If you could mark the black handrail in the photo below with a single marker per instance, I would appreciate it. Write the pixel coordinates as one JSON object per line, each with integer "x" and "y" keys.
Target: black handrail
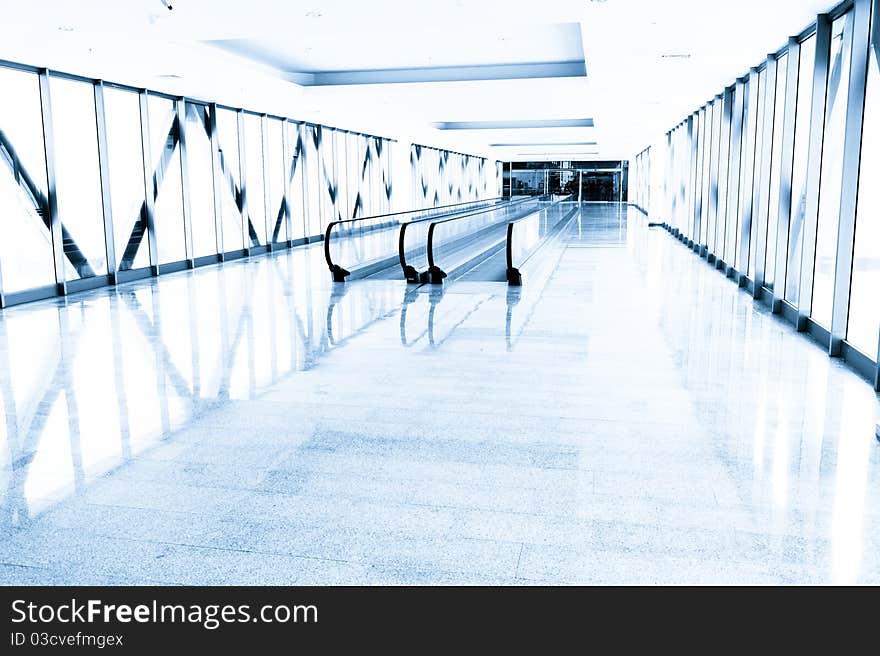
{"x": 409, "y": 272}
{"x": 339, "y": 273}
{"x": 514, "y": 276}
{"x": 435, "y": 273}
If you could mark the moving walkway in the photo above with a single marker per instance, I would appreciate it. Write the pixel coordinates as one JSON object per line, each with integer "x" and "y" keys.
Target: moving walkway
{"x": 445, "y": 243}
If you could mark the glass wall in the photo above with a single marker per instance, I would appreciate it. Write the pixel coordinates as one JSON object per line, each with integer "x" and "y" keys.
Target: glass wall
{"x": 775, "y": 171}
{"x": 78, "y": 178}
{"x": 228, "y": 180}
{"x": 832, "y": 169}
{"x": 758, "y": 173}
{"x": 26, "y": 260}
{"x": 131, "y": 180}
{"x": 254, "y": 186}
{"x": 201, "y": 181}
{"x": 275, "y": 181}
{"x": 127, "y": 193}
{"x": 314, "y": 190}
{"x": 799, "y": 170}
{"x": 752, "y": 146}
{"x": 168, "y": 185}
{"x": 864, "y": 306}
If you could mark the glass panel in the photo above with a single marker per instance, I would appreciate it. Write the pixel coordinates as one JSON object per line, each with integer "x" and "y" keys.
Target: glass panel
{"x": 78, "y": 178}
{"x": 25, "y": 241}
{"x": 275, "y": 180}
{"x": 228, "y": 178}
{"x": 707, "y": 174}
{"x": 864, "y": 307}
{"x": 775, "y": 172}
{"x": 355, "y": 202}
{"x": 201, "y": 180}
{"x": 125, "y": 161}
{"x": 339, "y": 145}
{"x": 832, "y": 169}
{"x": 313, "y": 188}
{"x": 254, "y": 182}
{"x": 168, "y": 210}
{"x": 328, "y": 177}
{"x": 700, "y": 122}
{"x": 759, "y": 171}
{"x": 799, "y": 172}
{"x": 723, "y": 174}
{"x": 736, "y": 153}
{"x": 385, "y": 166}
{"x": 295, "y": 170}
{"x": 715, "y": 184}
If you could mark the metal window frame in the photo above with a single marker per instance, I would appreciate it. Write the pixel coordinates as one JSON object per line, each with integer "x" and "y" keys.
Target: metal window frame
{"x": 785, "y": 173}
{"x": 765, "y": 175}
{"x": 217, "y": 181}
{"x": 865, "y": 35}
{"x": 104, "y": 175}
{"x": 51, "y": 190}
{"x": 734, "y": 171}
{"x": 180, "y": 117}
{"x": 62, "y": 285}
{"x": 269, "y": 223}
{"x": 819, "y": 90}
{"x": 747, "y": 176}
{"x": 724, "y": 175}
{"x": 149, "y": 197}
{"x": 864, "y": 29}
{"x": 247, "y": 246}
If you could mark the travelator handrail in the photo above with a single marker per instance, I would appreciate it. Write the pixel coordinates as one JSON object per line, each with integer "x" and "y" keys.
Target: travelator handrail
{"x": 339, "y": 273}
{"x": 409, "y": 271}
{"x": 514, "y": 276}
{"x": 436, "y": 275}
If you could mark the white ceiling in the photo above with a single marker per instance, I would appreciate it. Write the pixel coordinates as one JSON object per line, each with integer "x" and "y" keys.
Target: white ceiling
{"x": 245, "y": 52}
{"x": 324, "y": 47}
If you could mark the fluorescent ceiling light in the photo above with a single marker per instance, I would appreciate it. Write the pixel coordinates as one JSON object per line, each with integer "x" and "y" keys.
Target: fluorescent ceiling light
{"x": 543, "y": 145}
{"x": 515, "y": 125}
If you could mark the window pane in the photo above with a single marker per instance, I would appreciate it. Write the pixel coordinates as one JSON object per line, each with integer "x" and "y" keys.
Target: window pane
{"x": 357, "y": 151}
{"x": 775, "y": 172}
{"x": 799, "y": 171}
{"x": 294, "y": 176}
{"x": 864, "y": 306}
{"x": 354, "y": 175}
{"x": 228, "y": 178}
{"x": 200, "y": 180}
{"x": 165, "y": 160}
{"x": 255, "y": 186}
{"x": 125, "y": 161}
{"x": 78, "y": 178}
{"x": 277, "y": 222}
{"x": 755, "y": 174}
{"x": 327, "y": 168}
{"x": 760, "y": 175}
{"x": 314, "y": 191}
{"x": 340, "y": 147}
{"x": 705, "y": 162}
{"x": 716, "y": 149}
{"x": 832, "y": 169}
{"x": 742, "y": 196}
{"x": 723, "y": 174}
{"x": 25, "y": 241}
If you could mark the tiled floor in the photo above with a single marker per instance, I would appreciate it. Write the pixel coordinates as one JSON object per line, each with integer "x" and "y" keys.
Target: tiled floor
{"x": 636, "y": 419}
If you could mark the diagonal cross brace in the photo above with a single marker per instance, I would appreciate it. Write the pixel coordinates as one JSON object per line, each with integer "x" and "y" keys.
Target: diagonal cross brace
{"x": 41, "y": 205}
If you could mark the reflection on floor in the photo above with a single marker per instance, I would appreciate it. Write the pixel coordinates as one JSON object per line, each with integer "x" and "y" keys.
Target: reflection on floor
{"x": 632, "y": 417}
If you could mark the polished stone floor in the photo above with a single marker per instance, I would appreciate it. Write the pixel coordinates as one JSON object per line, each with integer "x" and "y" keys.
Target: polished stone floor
{"x": 629, "y": 417}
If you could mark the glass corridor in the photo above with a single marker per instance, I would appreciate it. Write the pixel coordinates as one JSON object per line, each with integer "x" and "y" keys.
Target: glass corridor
{"x": 774, "y": 181}
{"x": 103, "y": 183}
